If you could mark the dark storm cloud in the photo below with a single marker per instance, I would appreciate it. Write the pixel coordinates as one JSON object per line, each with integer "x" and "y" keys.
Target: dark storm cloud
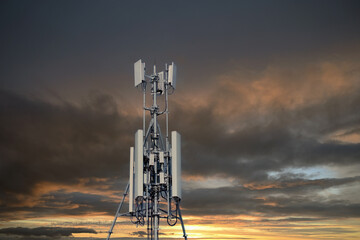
{"x": 45, "y": 231}
{"x": 297, "y": 185}
{"x": 238, "y": 200}
{"x": 234, "y": 200}
{"x": 201, "y": 36}
{"x": 60, "y": 144}
{"x": 139, "y": 233}
{"x": 142, "y": 234}
{"x": 289, "y": 138}
{"x": 60, "y": 202}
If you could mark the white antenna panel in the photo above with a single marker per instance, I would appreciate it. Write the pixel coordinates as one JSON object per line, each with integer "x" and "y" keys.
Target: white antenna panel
{"x": 139, "y": 72}
{"x": 176, "y": 164}
{"x": 139, "y": 164}
{"x": 152, "y": 159}
{"x": 146, "y": 178}
{"x": 172, "y": 75}
{"x": 162, "y": 178}
{"x": 161, "y": 81}
{"x": 131, "y": 181}
{"x": 161, "y": 157}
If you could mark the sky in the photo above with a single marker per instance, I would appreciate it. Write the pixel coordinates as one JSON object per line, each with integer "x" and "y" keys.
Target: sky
{"x": 267, "y": 103}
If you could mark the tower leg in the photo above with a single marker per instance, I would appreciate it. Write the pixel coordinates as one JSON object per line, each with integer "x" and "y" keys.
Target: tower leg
{"x": 117, "y": 212}
{"x": 181, "y": 220}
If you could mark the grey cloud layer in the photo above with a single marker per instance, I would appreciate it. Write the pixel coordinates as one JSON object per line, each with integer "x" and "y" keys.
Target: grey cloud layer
{"x": 45, "y": 231}
{"x": 61, "y": 144}
{"x": 283, "y": 142}
{"x": 45, "y": 142}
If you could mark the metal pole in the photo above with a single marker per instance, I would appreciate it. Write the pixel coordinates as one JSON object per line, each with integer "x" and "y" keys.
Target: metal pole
{"x": 117, "y": 212}
{"x": 151, "y": 221}
{"x": 167, "y": 141}
{"x": 147, "y": 202}
{"x": 166, "y": 107}
{"x": 155, "y": 137}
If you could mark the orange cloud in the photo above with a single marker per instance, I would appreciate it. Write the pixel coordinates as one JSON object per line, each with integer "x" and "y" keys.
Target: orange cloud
{"x": 283, "y": 184}
{"x": 287, "y": 88}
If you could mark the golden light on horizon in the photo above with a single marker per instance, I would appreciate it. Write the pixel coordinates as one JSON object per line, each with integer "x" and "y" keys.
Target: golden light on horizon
{"x": 208, "y": 227}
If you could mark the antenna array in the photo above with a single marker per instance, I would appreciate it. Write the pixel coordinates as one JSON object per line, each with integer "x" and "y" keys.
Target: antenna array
{"x": 154, "y": 186}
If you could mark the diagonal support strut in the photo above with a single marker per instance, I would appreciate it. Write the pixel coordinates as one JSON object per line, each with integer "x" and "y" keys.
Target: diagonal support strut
{"x": 118, "y": 211}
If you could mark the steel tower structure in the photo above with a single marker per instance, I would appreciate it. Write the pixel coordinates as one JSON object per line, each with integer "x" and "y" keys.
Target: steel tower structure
{"x": 154, "y": 187}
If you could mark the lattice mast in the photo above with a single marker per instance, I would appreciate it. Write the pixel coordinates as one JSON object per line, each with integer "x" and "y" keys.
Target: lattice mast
{"x": 155, "y": 164}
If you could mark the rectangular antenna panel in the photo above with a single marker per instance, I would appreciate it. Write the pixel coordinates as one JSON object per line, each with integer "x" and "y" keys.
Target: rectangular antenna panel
{"x": 161, "y": 157}
{"x": 152, "y": 159}
{"x": 146, "y": 178}
{"x": 172, "y": 75}
{"x": 161, "y": 81}
{"x": 139, "y": 164}
{"x": 176, "y": 164}
{"x": 131, "y": 181}
{"x": 162, "y": 177}
{"x": 139, "y": 72}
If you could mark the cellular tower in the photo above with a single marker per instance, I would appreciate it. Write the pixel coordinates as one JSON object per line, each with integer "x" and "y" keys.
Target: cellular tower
{"x": 154, "y": 188}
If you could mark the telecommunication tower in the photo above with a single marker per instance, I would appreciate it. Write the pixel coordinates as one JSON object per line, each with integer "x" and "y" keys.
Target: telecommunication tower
{"x": 154, "y": 187}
